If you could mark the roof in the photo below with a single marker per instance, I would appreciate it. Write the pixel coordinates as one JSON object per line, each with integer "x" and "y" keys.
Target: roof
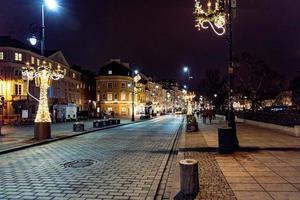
{"x": 7, "y": 41}
{"x": 116, "y": 69}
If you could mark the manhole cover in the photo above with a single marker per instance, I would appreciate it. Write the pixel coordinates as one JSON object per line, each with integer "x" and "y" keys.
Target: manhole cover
{"x": 79, "y": 163}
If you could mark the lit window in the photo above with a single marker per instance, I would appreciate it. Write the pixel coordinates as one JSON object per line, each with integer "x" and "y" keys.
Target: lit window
{"x": 109, "y": 109}
{"x": 109, "y": 85}
{"x": 109, "y": 72}
{"x": 98, "y": 97}
{"x": 38, "y": 62}
{"x": 123, "y": 96}
{"x": 109, "y": 97}
{"x": 18, "y": 56}
{"x": 1, "y": 55}
{"x": 18, "y": 89}
{"x": 50, "y": 65}
{"x": 32, "y": 60}
{"x": 123, "y": 110}
{"x": 77, "y": 86}
{"x": 74, "y": 75}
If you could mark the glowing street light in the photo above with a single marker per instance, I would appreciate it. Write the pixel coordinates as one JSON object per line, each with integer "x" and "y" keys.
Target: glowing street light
{"x": 51, "y": 4}
{"x": 33, "y": 40}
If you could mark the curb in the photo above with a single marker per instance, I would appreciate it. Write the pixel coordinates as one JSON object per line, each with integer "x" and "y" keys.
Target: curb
{"x": 39, "y": 143}
{"x": 159, "y": 175}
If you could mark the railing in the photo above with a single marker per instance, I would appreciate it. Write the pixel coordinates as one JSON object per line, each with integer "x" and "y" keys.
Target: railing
{"x": 280, "y": 118}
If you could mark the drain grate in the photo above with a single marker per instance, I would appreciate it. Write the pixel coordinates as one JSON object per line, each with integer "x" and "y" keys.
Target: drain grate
{"x": 80, "y": 163}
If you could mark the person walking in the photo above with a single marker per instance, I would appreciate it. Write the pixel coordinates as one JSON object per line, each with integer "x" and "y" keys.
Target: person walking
{"x": 210, "y": 115}
{"x": 204, "y": 116}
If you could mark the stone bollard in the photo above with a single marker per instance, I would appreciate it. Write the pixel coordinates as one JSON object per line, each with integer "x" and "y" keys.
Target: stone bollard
{"x": 189, "y": 179}
{"x": 78, "y": 127}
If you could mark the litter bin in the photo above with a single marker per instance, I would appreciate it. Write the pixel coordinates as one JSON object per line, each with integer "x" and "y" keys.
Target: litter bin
{"x": 226, "y": 140}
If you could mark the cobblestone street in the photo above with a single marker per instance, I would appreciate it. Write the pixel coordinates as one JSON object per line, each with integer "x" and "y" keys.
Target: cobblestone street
{"x": 125, "y": 164}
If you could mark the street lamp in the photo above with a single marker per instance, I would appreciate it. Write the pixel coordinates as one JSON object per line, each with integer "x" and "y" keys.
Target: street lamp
{"x": 220, "y": 20}
{"x": 186, "y": 70}
{"x": 52, "y": 5}
{"x": 135, "y": 78}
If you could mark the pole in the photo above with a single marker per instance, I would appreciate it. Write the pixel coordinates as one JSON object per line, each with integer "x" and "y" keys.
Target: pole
{"x": 43, "y": 30}
{"x": 132, "y": 114}
{"x": 231, "y": 115}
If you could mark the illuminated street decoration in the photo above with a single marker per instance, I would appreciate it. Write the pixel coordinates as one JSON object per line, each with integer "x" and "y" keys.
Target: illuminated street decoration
{"x": 43, "y": 76}
{"x": 215, "y": 18}
{"x": 189, "y": 96}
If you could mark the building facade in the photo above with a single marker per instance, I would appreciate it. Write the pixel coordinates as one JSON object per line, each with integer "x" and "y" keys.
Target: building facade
{"x": 14, "y": 55}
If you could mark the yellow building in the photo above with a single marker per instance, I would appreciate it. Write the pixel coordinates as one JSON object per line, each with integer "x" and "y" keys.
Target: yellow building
{"x": 14, "y": 55}
{"x": 114, "y": 86}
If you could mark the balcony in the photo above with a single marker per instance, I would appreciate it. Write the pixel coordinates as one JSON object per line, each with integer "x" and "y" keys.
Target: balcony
{"x": 19, "y": 97}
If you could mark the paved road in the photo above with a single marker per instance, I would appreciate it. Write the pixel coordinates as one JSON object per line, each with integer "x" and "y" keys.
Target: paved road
{"x": 128, "y": 164}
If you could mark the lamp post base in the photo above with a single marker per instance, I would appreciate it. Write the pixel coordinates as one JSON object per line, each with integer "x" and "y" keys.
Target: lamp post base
{"x": 42, "y": 130}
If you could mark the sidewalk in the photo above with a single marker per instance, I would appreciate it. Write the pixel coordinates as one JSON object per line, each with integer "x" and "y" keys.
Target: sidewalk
{"x": 17, "y": 137}
{"x": 270, "y": 169}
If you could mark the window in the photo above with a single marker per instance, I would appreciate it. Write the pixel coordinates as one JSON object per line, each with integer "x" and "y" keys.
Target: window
{"x": 74, "y": 75}
{"x": 116, "y": 97}
{"x": 123, "y": 85}
{"x": 109, "y": 85}
{"x": 103, "y": 97}
{"x": 109, "y": 72}
{"x": 123, "y": 110}
{"x": 123, "y": 96}
{"x": 18, "y": 56}
{"x": 32, "y": 60}
{"x": 98, "y": 97}
{"x": 109, "y": 109}
{"x": 1, "y": 55}
{"x": 38, "y": 62}
{"x": 18, "y": 72}
{"x": 18, "y": 89}
{"x": 109, "y": 97}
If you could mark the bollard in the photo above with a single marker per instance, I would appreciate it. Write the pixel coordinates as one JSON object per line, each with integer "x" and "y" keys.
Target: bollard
{"x": 78, "y": 127}
{"x": 189, "y": 179}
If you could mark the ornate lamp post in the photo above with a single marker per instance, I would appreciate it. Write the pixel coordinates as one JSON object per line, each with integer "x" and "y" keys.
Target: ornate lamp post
{"x": 43, "y": 76}
{"x": 219, "y": 19}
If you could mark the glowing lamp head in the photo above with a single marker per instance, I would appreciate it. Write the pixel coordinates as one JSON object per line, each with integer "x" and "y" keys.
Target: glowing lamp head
{"x": 184, "y": 86}
{"x": 32, "y": 40}
{"x": 136, "y": 71}
{"x": 185, "y": 69}
{"x": 51, "y": 4}
{"x": 215, "y": 95}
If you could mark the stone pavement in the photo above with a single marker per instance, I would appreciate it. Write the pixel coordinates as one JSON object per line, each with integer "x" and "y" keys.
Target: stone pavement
{"x": 267, "y": 167}
{"x": 120, "y": 163}
{"x": 22, "y": 136}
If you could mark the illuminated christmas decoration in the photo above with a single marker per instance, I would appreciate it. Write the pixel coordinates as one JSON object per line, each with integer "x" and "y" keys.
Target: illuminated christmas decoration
{"x": 42, "y": 76}
{"x": 189, "y": 96}
{"x": 215, "y": 18}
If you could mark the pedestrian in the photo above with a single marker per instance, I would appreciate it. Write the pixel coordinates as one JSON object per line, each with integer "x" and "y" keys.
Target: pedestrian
{"x": 198, "y": 114}
{"x": 204, "y": 116}
{"x": 210, "y": 115}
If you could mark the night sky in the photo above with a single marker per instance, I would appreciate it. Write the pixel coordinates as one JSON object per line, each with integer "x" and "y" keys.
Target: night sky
{"x": 159, "y": 36}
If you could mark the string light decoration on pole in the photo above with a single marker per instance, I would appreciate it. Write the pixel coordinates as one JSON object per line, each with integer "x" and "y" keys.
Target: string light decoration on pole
{"x": 215, "y": 18}
{"x": 220, "y": 20}
{"x": 43, "y": 77}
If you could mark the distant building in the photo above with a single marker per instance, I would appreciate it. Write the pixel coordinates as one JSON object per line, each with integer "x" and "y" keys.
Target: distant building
{"x": 14, "y": 55}
{"x": 114, "y": 89}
